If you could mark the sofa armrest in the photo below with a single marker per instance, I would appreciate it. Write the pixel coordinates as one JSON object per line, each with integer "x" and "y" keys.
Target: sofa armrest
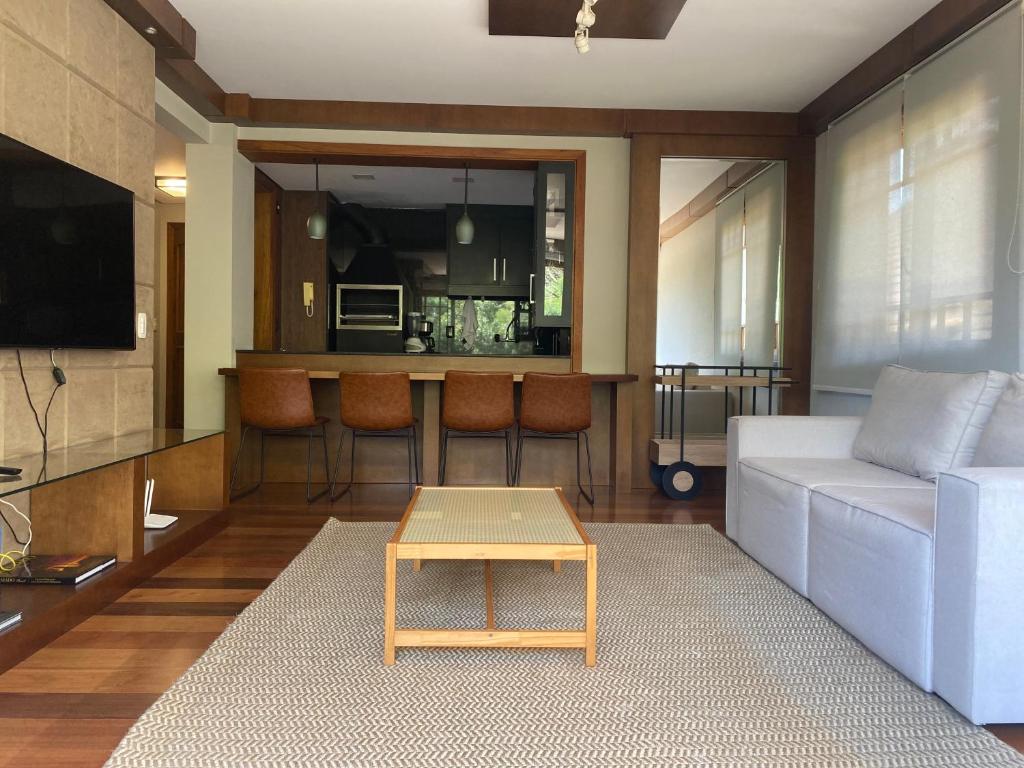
{"x": 804, "y": 437}
{"x": 979, "y": 593}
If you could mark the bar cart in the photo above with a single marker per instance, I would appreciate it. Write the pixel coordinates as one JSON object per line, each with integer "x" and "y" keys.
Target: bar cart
{"x": 677, "y": 458}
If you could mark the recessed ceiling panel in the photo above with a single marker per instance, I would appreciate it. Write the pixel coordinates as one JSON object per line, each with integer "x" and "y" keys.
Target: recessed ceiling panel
{"x": 629, "y": 19}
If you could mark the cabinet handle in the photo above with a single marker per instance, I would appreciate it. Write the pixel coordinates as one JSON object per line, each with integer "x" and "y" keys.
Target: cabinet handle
{"x": 495, "y": 269}
{"x": 503, "y": 260}
{"x": 531, "y": 286}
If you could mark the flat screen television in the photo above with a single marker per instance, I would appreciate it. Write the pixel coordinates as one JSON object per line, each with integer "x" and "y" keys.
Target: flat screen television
{"x": 67, "y": 255}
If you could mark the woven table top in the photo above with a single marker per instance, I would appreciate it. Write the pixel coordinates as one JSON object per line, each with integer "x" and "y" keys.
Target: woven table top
{"x": 489, "y": 516}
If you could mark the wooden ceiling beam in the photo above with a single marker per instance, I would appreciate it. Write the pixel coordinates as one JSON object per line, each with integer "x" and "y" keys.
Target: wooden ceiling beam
{"x": 705, "y": 201}
{"x": 929, "y": 34}
{"x": 174, "y": 38}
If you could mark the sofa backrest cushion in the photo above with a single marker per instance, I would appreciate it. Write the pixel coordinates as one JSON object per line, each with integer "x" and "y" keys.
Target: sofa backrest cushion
{"x": 1002, "y": 442}
{"x": 922, "y": 422}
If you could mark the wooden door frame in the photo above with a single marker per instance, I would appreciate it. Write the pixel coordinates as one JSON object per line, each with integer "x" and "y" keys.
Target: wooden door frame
{"x": 340, "y": 153}
{"x": 646, "y": 154}
{"x": 174, "y": 309}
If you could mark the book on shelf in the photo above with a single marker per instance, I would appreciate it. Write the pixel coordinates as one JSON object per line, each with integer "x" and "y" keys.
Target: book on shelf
{"x": 56, "y": 569}
{"x": 8, "y": 619}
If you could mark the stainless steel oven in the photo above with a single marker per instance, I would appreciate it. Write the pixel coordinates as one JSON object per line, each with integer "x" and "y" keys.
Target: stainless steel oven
{"x": 368, "y": 307}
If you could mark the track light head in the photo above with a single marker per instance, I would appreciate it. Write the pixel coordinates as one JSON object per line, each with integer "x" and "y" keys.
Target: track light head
{"x": 582, "y": 39}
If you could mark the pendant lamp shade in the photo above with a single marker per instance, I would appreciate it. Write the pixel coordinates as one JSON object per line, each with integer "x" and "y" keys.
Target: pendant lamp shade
{"x": 316, "y": 224}
{"x": 464, "y": 229}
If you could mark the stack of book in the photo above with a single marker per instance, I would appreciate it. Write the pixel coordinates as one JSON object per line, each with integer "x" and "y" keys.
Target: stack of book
{"x": 56, "y": 569}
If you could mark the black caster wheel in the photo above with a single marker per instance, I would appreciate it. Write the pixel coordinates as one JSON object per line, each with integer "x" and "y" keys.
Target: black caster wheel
{"x": 682, "y": 481}
{"x": 656, "y": 471}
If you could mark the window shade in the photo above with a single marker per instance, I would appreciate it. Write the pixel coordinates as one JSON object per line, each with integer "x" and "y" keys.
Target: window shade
{"x": 858, "y": 280}
{"x": 921, "y": 187}
{"x": 764, "y": 208}
{"x": 728, "y": 279}
{"x": 960, "y": 304}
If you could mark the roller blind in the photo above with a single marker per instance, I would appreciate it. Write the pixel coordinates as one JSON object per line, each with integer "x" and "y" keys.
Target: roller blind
{"x": 858, "y": 280}
{"x": 764, "y": 215}
{"x": 728, "y": 279}
{"x": 960, "y": 303}
{"x": 922, "y": 186}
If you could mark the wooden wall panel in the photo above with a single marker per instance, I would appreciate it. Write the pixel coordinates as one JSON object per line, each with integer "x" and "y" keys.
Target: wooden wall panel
{"x": 642, "y": 291}
{"x": 302, "y": 260}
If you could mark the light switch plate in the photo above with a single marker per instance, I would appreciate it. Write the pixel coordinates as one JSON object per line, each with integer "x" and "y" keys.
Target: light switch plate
{"x": 140, "y": 325}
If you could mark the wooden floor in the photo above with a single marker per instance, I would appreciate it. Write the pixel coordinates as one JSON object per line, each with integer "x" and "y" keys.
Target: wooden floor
{"x": 71, "y": 703}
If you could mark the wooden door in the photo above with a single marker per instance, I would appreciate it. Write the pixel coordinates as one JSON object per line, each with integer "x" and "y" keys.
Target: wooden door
{"x": 174, "y": 414}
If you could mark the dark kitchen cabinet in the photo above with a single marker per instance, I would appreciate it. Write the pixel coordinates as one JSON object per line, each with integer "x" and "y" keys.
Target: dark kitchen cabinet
{"x": 499, "y": 261}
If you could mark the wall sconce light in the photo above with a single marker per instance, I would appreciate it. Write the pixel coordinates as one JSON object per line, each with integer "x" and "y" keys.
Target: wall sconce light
{"x": 175, "y": 186}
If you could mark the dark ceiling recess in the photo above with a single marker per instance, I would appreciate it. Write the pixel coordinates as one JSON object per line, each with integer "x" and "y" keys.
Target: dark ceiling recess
{"x": 630, "y": 19}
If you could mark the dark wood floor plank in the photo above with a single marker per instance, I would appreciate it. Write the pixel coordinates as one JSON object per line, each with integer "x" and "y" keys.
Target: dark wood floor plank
{"x": 71, "y": 703}
{"x": 174, "y": 609}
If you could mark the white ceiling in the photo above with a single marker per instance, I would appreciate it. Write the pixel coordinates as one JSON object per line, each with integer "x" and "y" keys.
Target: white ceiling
{"x": 395, "y": 187}
{"x": 762, "y": 55}
{"x": 683, "y": 179}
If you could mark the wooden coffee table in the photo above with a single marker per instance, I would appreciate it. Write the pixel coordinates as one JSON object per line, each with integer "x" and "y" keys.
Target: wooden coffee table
{"x": 490, "y": 524}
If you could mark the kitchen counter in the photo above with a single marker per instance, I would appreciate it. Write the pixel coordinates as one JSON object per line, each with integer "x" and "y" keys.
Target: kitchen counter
{"x": 547, "y": 462}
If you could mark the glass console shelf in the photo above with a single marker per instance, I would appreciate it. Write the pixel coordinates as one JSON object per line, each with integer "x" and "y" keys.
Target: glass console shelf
{"x": 59, "y": 464}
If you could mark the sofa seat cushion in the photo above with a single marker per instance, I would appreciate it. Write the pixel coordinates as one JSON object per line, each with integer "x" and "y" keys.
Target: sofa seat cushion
{"x": 774, "y": 504}
{"x": 870, "y": 567}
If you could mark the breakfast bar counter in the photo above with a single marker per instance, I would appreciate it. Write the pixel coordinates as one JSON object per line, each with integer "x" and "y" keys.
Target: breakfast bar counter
{"x": 549, "y": 462}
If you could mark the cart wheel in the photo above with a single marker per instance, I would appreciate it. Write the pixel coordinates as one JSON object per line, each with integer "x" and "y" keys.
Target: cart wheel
{"x": 656, "y": 471}
{"x": 682, "y": 481}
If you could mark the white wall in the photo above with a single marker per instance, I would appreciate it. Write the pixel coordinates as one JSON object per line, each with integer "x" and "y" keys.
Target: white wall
{"x": 218, "y": 271}
{"x": 686, "y": 295}
{"x": 607, "y": 221}
{"x": 165, "y": 214}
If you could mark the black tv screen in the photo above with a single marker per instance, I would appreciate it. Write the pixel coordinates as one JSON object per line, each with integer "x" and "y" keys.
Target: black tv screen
{"x": 67, "y": 255}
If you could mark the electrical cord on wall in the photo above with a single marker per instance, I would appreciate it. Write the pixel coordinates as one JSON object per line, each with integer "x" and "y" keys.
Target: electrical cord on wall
{"x": 9, "y": 560}
{"x": 42, "y": 424}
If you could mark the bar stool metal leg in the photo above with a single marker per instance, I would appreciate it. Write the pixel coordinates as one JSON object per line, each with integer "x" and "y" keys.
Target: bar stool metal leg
{"x": 415, "y": 455}
{"x": 234, "y": 469}
{"x": 337, "y": 466}
{"x": 309, "y": 465}
{"x": 590, "y": 472}
{"x": 509, "y": 466}
{"x": 444, "y": 457}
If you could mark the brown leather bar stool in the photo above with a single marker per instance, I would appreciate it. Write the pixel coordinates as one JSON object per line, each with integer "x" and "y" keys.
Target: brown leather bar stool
{"x": 478, "y": 405}
{"x": 376, "y": 405}
{"x": 556, "y": 406}
{"x": 279, "y": 402}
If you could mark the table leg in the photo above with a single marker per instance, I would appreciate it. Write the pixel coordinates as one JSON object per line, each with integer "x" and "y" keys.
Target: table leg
{"x": 591, "y": 626}
{"x": 556, "y": 566}
{"x": 417, "y": 564}
{"x": 489, "y": 593}
{"x": 390, "y": 585}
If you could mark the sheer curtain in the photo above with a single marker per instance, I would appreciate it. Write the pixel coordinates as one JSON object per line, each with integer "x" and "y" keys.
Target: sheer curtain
{"x": 922, "y": 186}
{"x": 728, "y": 279}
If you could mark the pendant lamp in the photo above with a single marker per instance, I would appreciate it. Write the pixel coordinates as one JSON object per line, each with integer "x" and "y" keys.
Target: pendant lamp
{"x": 464, "y": 229}
{"x": 316, "y": 224}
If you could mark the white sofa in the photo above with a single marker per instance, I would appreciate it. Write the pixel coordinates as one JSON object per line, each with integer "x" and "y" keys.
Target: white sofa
{"x": 927, "y": 574}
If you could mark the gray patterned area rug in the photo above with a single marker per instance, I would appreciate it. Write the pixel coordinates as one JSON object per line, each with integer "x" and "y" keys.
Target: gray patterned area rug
{"x": 703, "y": 659}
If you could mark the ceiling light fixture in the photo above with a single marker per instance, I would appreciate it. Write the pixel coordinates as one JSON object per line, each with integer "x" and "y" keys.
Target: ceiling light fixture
{"x": 316, "y": 224}
{"x": 175, "y": 186}
{"x": 585, "y": 19}
{"x": 150, "y": 31}
{"x": 464, "y": 228}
